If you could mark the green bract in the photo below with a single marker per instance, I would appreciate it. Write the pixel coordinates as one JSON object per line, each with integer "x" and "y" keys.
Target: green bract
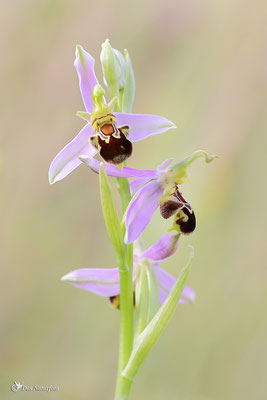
{"x": 154, "y": 329}
{"x": 146, "y": 296}
{"x": 112, "y": 220}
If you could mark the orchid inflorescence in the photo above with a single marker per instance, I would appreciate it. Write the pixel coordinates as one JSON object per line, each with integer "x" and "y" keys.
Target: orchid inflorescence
{"x": 145, "y": 293}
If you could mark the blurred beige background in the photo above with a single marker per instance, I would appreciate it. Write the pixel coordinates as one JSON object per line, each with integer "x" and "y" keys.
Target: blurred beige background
{"x": 203, "y": 64}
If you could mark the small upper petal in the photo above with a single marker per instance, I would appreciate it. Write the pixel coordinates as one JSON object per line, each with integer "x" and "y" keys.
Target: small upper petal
{"x": 85, "y": 67}
{"x": 67, "y": 159}
{"x": 163, "y": 248}
{"x": 142, "y": 208}
{"x": 113, "y": 170}
{"x": 101, "y": 281}
{"x": 144, "y": 125}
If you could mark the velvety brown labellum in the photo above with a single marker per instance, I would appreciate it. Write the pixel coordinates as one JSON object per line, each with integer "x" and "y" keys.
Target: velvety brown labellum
{"x": 186, "y": 220}
{"x": 185, "y": 217}
{"x": 169, "y": 208}
{"x": 117, "y": 150}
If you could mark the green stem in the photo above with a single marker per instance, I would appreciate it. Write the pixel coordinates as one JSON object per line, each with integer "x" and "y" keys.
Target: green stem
{"x": 123, "y": 385}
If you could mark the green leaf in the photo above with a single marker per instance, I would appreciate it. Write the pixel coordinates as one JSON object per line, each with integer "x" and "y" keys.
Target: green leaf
{"x": 112, "y": 220}
{"x": 124, "y": 191}
{"x": 155, "y": 328}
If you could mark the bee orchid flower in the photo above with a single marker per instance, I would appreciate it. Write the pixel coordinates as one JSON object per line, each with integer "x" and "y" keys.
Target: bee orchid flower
{"x": 153, "y": 189}
{"x": 111, "y": 132}
{"x": 106, "y": 281}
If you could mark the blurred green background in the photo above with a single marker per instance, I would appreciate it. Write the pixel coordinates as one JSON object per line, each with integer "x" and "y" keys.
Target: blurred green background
{"x": 202, "y": 64}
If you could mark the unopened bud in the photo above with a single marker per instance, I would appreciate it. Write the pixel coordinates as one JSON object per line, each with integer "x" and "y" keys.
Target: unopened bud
{"x": 112, "y": 63}
{"x": 129, "y": 85}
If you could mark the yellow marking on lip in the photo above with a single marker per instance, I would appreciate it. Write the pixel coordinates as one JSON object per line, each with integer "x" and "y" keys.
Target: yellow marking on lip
{"x": 103, "y": 116}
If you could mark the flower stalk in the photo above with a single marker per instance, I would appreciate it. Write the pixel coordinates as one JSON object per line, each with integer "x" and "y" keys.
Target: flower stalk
{"x": 125, "y": 266}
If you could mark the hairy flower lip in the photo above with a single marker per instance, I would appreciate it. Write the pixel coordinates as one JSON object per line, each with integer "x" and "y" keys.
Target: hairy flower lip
{"x": 105, "y": 281}
{"x": 142, "y": 125}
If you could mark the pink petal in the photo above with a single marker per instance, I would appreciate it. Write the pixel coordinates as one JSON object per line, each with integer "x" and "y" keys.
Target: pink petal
{"x": 84, "y": 64}
{"x": 188, "y": 295}
{"x": 113, "y": 170}
{"x": 141, "y": 210}
{"x": 144, "y": 125}
{"x": 166, "y": 282}
{"x": 67, "y": 159}
{"x": 163, "y": 248}
{"x": 104, "y": 282}
{"x": 136, "y": 184}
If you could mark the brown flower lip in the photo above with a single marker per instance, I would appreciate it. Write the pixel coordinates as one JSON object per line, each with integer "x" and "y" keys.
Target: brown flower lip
{"x": 185, "y": 216}
{"x": 117, "y": 150}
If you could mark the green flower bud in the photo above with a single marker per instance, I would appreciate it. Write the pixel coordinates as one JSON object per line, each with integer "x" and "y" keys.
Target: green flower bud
{"x": 129, "y": 85}
{"x": 113, "y": 66}
{"x": 122, "y": 68}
